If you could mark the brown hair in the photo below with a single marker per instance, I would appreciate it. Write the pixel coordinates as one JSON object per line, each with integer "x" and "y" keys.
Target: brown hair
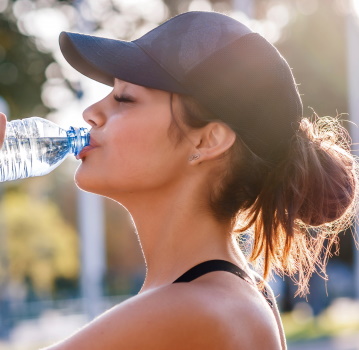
{"x": 296, "y": 208}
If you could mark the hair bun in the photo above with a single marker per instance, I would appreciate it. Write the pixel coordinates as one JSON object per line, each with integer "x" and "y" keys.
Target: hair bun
{"x": 327, "y": 186}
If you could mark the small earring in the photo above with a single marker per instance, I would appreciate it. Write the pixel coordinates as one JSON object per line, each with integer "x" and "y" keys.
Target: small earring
{"x": 194, "y": 157}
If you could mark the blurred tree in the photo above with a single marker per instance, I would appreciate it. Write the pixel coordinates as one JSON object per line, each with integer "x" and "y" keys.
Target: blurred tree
{"x": 40, "y": 246}
{"x": 22, "y": 70}
{"x": 314, "y": 44}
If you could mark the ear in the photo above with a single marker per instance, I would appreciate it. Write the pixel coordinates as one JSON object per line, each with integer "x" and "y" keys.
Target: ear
{"x": 213, "y": 140}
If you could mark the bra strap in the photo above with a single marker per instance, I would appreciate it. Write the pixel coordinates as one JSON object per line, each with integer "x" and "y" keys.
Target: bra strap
{"x": 210, "y": 266}
{"x": 218, "y": 265}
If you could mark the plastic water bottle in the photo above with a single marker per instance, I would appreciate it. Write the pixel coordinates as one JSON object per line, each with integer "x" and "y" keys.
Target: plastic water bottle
{"x": 35, "y": 146}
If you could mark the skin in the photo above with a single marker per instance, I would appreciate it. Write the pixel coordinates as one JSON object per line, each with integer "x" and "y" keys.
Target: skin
{"x": 134, "y": 160}
{"x": 2, "y": 127}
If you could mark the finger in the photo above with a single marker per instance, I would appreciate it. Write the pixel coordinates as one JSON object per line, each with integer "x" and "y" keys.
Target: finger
{"x": 2, "y": 127}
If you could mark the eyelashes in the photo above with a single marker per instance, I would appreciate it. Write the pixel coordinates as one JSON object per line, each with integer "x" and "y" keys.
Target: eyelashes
{"x": 123, "y": 99}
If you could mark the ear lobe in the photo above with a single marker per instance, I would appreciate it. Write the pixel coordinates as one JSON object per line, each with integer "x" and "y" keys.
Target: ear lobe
{"x": 216, "y": 139}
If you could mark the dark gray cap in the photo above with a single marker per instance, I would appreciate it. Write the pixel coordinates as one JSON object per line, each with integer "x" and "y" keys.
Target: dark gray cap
{"x": 233, "y": 72}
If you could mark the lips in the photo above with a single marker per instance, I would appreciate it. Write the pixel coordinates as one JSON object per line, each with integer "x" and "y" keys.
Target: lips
{"x": 93, "y": 144}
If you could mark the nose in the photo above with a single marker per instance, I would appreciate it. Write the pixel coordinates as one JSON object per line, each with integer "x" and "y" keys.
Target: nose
{"x": 94, "y": 115}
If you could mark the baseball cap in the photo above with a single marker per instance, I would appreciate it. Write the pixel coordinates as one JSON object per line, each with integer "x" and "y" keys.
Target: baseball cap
{"x": 232, "y": 71}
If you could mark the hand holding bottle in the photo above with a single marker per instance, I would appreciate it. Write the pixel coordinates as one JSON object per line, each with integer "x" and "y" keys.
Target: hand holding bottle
{"x": 2, "y": 127}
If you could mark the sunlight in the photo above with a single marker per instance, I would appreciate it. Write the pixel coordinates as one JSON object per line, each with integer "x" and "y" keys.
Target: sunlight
{"x": 44, "y": 24}
{"x": 355, "y": 4}
{"x": 55, "y": 94}
{"x": 200, "y": 5}
{"x": 21, "y": 7}
{"x": 150, "y": 10}
{"x": 71, "y": 112}
{"x": 279, "y": 14}
{"x": 3, "y": 5}
{"x": 117, "y": 25}
{"x": 268, "y": 28}
{"x": 307, "y": 7}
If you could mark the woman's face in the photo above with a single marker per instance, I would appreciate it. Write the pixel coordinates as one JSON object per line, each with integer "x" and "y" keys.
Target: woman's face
{"x": 130, "y": 147}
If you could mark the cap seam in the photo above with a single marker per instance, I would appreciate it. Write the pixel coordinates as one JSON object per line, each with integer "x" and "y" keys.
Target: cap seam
{"x": 170, "y": 73}
{"x": 110, "y": 61}
{"x": 162, "y": 67}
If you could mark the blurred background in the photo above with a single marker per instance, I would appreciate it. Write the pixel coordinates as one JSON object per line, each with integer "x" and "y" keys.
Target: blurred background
{"x": 65, "y": 255}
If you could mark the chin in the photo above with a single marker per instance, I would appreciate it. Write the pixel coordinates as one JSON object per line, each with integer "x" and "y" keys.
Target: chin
{"x": 90, "y": 181}
{"x": 85, "y": 180}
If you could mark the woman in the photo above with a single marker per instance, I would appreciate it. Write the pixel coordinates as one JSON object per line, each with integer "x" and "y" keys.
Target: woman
{"x": 201, "y": 139}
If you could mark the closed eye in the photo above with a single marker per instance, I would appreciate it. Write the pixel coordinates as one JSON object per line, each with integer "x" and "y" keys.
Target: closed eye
{"x": 123, "y": 98}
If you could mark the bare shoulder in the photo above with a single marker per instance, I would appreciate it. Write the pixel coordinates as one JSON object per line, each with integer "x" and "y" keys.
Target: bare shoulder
{"x": 181, "y": 316}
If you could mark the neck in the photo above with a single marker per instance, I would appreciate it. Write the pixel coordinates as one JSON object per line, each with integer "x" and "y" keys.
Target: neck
{"x": 176, "y": 234}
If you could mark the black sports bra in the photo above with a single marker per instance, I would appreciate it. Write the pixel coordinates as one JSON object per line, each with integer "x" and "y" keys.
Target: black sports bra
{"x": 219, "y": 265}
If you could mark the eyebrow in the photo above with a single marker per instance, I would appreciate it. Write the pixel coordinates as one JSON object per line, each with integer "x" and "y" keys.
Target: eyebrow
{"x": 119, "y": 82}
{"x": 123, "y": 84}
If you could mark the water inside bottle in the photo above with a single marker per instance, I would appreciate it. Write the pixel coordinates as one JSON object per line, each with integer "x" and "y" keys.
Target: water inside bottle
{"x": 35, "y": 146}
{"x": 45, "y": 155}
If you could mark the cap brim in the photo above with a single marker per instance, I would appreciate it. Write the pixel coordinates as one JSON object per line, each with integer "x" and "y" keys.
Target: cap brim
{"x": 104, "y": 59}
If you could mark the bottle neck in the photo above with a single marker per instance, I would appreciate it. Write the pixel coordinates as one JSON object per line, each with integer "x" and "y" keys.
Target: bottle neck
{"x": 78, "y": 138}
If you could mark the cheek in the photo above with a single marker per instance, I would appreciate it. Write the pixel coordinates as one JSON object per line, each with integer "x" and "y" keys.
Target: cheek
{"x": 140, "y": 151}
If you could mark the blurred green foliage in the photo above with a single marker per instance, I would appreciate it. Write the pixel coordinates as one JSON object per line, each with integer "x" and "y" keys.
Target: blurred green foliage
{"x": 341, "y": 318}
{"x": 315, "y": 47}
{"x": 38, "y": 246}
{"x": 22, "y": 70}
